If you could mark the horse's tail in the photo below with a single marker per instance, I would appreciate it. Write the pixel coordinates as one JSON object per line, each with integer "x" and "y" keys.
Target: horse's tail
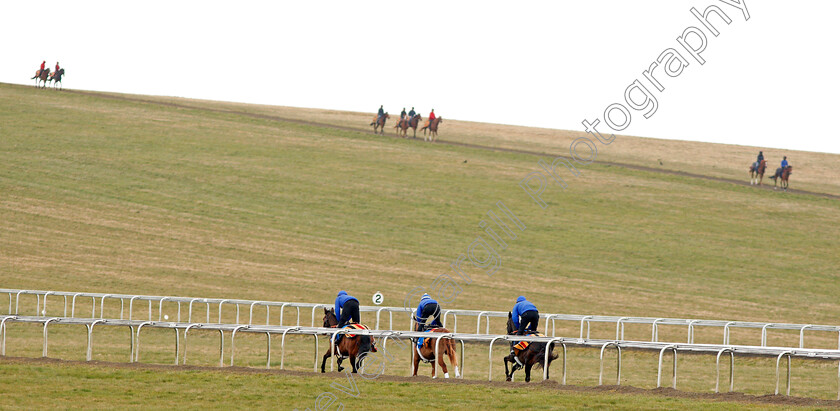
{"x": 541, "y": 356}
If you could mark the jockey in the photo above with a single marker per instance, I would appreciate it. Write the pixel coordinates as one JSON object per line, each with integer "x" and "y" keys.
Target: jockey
{"x": 759, "y": 159}
{"x": 784, "y": 163}
{"x": 56, "y": 67}
{"x": 380, "y": 113}
{"x": 432, "y": 117}
{"x": 411, "y": 114}
{"x": 428, "y": 308}
{"x": 402, "y": 114}
{"x": 346, "y": 309}
{"x": 529, "y": 315}
{"x": 43, "y": 66}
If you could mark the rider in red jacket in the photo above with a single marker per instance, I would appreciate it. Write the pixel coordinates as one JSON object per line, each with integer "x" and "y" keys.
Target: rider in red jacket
{"x": 43, "y": 65}
{"x": 432, "y": 116}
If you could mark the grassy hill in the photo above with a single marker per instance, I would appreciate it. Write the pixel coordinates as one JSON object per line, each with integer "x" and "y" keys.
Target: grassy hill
{"x": 169, "y": 196}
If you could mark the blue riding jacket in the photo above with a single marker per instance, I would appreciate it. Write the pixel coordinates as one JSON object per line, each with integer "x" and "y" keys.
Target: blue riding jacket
{"x": 522, "y": 306}
{"x": 342, "y": 298}
{"x": 423, "y": 302}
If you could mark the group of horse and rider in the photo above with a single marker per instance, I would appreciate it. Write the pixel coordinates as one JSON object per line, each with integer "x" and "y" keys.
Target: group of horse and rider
{"x": 781, "y": 175}
{"x": 43, "y": 75}
{"x": 523, "y": 320}
{"x": 410, "y": 119}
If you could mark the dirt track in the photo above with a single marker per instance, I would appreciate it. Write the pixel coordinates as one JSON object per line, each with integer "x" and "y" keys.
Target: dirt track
{"x": 453, "y": 143}
{"x": 544, "y": 385}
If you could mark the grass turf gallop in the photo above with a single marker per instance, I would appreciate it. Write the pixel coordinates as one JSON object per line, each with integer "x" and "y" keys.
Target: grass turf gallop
{"x": 119, "y": 196}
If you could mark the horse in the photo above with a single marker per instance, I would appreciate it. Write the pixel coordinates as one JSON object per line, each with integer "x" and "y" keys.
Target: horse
{"x": 533, "y": 354}
{"x": 433, "y": 128}
{"x": 782, "y": 177}
{"x": 757, "y": 172}
{"x": 56, "y": 78}
{"x": 42, "y": 76}
{"x": 379, "y": 122}
{"x": 353, "y": 347}
{"x": 426, "y": 352}
{"x": 405, "y": 124}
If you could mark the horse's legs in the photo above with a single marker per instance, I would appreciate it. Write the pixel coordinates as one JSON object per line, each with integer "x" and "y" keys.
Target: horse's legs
{"x": 528, "y": 366}
{"x": 338, "y": 363}
{"x": 442, "y": 364}
{"x": 353, "y": 363}
{"x": 507, "y": 373}
{"x": 453, "y": 358}
{"x": 416, "y": 359}
{"x": 324, "y": 362}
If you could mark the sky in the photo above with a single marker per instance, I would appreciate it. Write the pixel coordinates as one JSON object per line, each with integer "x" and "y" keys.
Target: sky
{"x": 769, "y": 81}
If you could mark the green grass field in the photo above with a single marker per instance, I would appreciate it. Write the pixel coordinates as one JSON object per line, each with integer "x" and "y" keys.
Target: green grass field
{"x": 106, "y": 195}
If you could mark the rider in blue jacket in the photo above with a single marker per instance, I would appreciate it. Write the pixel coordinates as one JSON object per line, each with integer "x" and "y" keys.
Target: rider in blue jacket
{"x": 428, "y": 308}
{"x": 346, "y": 309}
{"x": 525, "y": 316}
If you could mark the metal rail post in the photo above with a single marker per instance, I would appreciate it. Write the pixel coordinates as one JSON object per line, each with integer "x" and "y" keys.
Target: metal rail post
{"x": 618, "y": 363}
{"x": 802, "y": 335}
{"x": 659, "y": 369}
{"x": 490, "y": 356}
{"x": 545, "y": 360}
{"x": 437, "y": 355}
{"x": 283, "y": 346}
{"x": 232, "y": 341}
{"x": 620, "y": 326}
{"x": 726, "y": 332}
{"x": 731, "y": 370}
{"x": 90, "y": 338}
{"x": 583, "y": 320}
{"x": 46, "y": 323}
{"x": 654, "y": 330}
{"x": 137, "y": 342}
{"x": 778, "y": 359}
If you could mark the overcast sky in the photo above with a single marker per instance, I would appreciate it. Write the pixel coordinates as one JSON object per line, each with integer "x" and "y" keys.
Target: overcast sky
{"x": 770, "y": 81}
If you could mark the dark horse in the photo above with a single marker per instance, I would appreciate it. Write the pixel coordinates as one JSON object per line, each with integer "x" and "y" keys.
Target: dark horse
{"x": 757, "y": 172}
{"x": 405, "y": 124}
{"x": 781, "y": 177}
{"x": 42, "y": 76}
{"x": 426, "y": 352}
{"x": 433, "y": 129}
{"x": 534, "y": 354}
{"x": 379, "y": 123}
{"x": 352, "y": 347}
{"x": 56, "y": 78}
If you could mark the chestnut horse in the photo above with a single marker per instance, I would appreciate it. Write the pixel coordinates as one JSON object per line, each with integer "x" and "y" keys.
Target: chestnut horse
{"x": 42, "y": 76}
{"x": 426, "y": 352}
{"x": 405, "y": 124}
{"x": 534, "y": 354}
{"x": 433, "y": 129}
{"x": 781, "y": 177}
{"x": 352, "y": 347}
{"x": 757, "y": 172}
{"x": 379, "y": 123}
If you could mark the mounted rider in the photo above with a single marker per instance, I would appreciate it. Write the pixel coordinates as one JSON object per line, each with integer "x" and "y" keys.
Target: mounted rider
{"x": 525, "y": 316}
{"x": 346, "y": 309}
{"x": 55, "y": 73}
{"x": 411, "y": 114}
{"x": 784, "y": 163}
{"x": 428, "y": 308}
{"x": 380, "y": 113}
{"x": 758, "y": 160}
